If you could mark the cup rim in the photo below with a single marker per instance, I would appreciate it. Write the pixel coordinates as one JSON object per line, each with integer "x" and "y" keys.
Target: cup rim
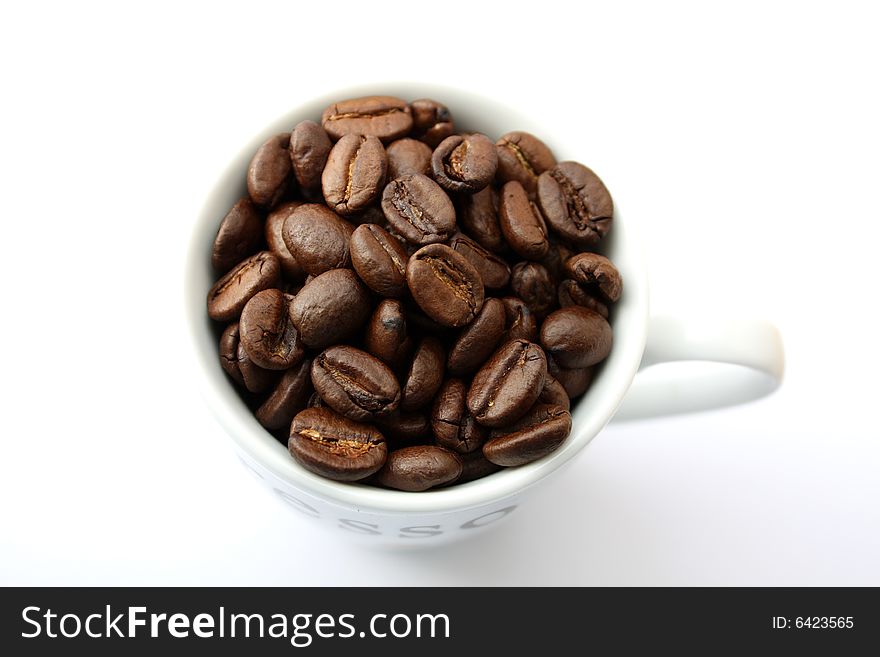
{"x": 589, "y": 416}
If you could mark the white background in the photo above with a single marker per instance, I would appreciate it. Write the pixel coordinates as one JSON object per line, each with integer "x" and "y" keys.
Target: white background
{"x": 745, "y": 139}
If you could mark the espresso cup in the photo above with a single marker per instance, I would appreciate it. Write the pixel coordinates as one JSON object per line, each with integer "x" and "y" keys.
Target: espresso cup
{"x": 620, "y": 389}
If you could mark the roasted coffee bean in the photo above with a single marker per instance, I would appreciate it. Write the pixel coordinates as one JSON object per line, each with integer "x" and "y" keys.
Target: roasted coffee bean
{"x": 523, "y": 157}
{"x": 315, "y": 400}
{"x": 571, "y": 293}
{"x": 476, "y": 341}
{"x": 309, "y": 148}
{"x": 575, "y": 203}
{"x": 256, "y": 379}
{"x": 508, "y": 384}
{"x": 521, "y": 222}
{"x": 553, "y": 392}
{"x": 385, "y": 336}
{"x": 432, "y": 122}
{"x": 267, "y": 332}
{"x": 543, "y": 429}
{"x": 229, "y": 294}
{"x": 384, "y": 117}
{"x": 464, "y": 163}
{"x": 478, "y": 216}
{"x": 452, "y": 424}
{"x": 418, "y": 209}
{"x": 520, "y": 321}
{"x": 238, "y": 236}
{"x": 275, "y": 239}
{"x": 575, "y": 381}
{"x": 334, "y": 446}
{"x": 379, "y": 259}
{"x": 494, "y": 270}
{"x": 330, "y": 308}
{"x": 318, "y": 238}
{"x": 229, "y": 353}
{"x": 289, "y": 397}
{"x": 595, "y": 272}
{"x": 532, "y": 283}
{"x": 407, "y": 156}
{"x": 425, "y": 375}
{"x": 354, "y": 383}
{"x": 475, "y": 466}
{"x": 411, "y": 428}
{"x": 445, "y": 285}
{"x": 419, "y": 468}
{"x": 354, "y": 174}
{"x": 268, "y": 174}
{"x": 576, "y": 337}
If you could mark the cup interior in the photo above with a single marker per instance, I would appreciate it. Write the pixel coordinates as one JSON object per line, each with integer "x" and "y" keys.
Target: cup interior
{"x": 590, "y": 413}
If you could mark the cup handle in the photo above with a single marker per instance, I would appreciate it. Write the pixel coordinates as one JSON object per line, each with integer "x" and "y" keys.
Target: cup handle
{"x": 728, "y": 362}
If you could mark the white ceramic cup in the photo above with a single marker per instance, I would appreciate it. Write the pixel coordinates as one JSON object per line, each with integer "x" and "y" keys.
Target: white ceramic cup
{"x": 386, "y": 516}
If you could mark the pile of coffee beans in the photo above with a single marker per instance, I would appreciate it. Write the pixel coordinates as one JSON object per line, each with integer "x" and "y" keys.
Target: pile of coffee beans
{"x": 410, "y": 306}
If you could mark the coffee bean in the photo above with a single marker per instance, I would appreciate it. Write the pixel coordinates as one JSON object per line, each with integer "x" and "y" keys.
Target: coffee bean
{"x": 334, "y": 446}
{"x": 268, "y": 174}
{"x": 494, "y": 270}
{"x": 538, "y": 434}
{"x": 379, "y": 259}
{"x": 267, "y": 332}
{"x": 309, "y": 148}
{"x": 575, "y": 203}
{"x": 478, "y": 216}
{"x": 576, "y": 337}
{"x": 419, "y": 468}
{"x": 384, "y": 117}
{"x": 238, "y": 236}
{"x": 229, "y": 353}
{"x": 553, "y": 392}
{"x": 289, "y": 397}
{"x": 256, "y": 379}
{"x": 575, "y": 381}
{"x": 229, "y": 294}
{"x": 464, "y": 163}
{"x": 432, "y": 121}
{"x": 275, "y": 239}
{"x": 318, "y": 238}
{"x": 571, "y": 293}
{"x": 354, "y": 383}
{"x": 385, "y": 336}
{"x": 520, "y": 322}
{"x": 595, "y": 272}
{"x": 354, "y": 173}
{"x": 508, "y": 384}
{"x": 445, "y": 285}
{"x": 476, "y": 341}
{"x": 452, "y": 423}
{"x": 425, "y": 375}
{"x": 408, "y": 156}
{"x": 411, "y": 428}
{"x": 523, "y": 157}
{"x": 475, "y": 466}
{"x": 418, "y": 209}
{"x": 315, "y": 400}
{"x": 521, "y": 222}
{"x": 531, "y": 282}
{"x": 330, "y": 308}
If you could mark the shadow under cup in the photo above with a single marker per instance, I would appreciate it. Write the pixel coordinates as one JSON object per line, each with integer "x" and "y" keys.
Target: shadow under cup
{"x": 393, "y": 516}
